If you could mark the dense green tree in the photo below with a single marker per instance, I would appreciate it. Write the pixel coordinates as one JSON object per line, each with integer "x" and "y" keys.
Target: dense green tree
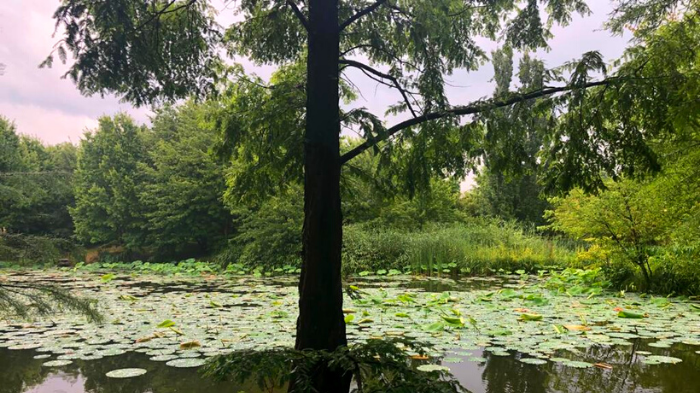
{"x": 35, "y": 184}
{"x": 504, "y": 190}
{"x": 635, "y": 218}
{"x": 624, "y": 217}
{"x": 9, "y": 146}
{"x": 156, "y": 49}
{"x": 268, "y": 234}
{"x": 107, "y": 184}
{"x": 10, "y": 161}
{"x": 183, "y": 184}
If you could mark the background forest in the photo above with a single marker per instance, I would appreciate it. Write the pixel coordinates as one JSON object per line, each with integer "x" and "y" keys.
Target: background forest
{"x": 177, "y": 189}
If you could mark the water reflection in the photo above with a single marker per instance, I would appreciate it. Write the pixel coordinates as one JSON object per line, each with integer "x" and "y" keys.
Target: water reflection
{"x": 508, "y": 375}
{"x": 20, "y": 373}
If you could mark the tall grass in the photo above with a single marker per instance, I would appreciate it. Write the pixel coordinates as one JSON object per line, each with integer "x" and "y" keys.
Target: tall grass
{"x": 476, "y": 247}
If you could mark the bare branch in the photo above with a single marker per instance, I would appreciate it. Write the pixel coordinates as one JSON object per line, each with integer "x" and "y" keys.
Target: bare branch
{"x": 397, "y": 85}
{"x": 360, "y": 14}
{"x": 466, "y": 110}
{"x": 299, "y": 14}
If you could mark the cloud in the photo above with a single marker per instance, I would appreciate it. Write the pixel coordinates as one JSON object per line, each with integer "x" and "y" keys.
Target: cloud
{"x": 52, "y": 126}
{"x": 38, "y": 100}
{"x": 44, "y": 105}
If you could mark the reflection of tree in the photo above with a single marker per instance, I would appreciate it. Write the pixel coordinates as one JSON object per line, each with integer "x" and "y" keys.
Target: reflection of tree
{"x": 18, "y": 371}
{"x": 628, "y": 375}
{"x": 159, "y": 378}
{"x": 508, "y": 375}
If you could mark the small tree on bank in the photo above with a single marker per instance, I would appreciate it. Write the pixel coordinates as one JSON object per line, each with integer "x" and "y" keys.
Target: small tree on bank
{"x": 148, "y": 51}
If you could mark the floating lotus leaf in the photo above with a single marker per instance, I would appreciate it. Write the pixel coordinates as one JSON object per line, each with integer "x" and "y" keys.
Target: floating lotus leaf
{"x": 57, "y": 363}
{"x": 189, "y": 354}
{"x": 112, "y": 352}
{"x": 91, "y": 357}
{"x": 534, "y": 361}
{"x": 452, "y": 360}
{"x": 24, "y": 346}
{"x": 164, "y": 358}
{"x": 559, "y": 360}
{"x": 45, "y": 356}
{"x": 184, "y": 363}
{"x": 238, "y": 324}
{"x": 576, "y": 364}
{"x": 70, "y": 356}
{"x": 654, "y": 359}
{"x": 126, "y": 373}
{"x": 432, "y": 368}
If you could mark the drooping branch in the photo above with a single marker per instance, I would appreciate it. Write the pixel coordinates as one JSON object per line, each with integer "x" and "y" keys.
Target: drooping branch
{"x": 466, "y": 110}
{"x": 299, "y": 14}
{"x": 360, "y": 14}
{"x": 396, "y": 84}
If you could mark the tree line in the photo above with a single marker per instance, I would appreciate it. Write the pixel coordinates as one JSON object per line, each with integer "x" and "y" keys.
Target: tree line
{"x": 165, "y": 192}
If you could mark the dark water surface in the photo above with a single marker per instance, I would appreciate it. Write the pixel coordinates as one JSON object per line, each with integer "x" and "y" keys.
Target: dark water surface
{"x": 21, "y": 373}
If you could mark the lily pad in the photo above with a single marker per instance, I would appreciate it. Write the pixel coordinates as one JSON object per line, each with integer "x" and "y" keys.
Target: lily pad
{"x": 534, "y": 361}
{"x": 57, "y": 363}
{"x": 185, "y": 363}
{"x": 655, "y": 359}
{"x": 432, "y": 367}
{"x": 163, "y": 358}
{"x": 577, "y": 364}
{"x": 24, "y": 346}
{"x": 126, "y": 373}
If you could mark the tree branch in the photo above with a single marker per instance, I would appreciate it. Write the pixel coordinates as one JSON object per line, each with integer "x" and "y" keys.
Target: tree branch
{"x": 465, "y": 110}
{"x": 299, "y": 15}
{"x": 365, "y": 67}
{"x": 360, "y": 14}
{"x": 164, "y": 11}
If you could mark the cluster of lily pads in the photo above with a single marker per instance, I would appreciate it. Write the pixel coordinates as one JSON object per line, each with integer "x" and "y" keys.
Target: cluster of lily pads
{"x": 183, "y": 321}
{"x": 187, "y": 267}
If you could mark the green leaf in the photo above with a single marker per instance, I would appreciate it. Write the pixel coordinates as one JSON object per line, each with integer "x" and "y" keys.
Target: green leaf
{"x": 630, "y": 315}
{"x": 530, "y": 317}
{"x": 166, "y": 324}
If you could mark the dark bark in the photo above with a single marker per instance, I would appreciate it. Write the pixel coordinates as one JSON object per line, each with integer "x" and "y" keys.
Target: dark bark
{"x": 321, "y": 324}
{"x": 643, "y": 263}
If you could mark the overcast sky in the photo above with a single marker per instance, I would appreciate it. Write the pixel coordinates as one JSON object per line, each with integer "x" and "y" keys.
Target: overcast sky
{"x": 48, "y": 107}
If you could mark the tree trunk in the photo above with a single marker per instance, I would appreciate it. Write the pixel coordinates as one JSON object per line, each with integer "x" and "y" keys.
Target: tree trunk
{"x": 321, "y": 324}
{"x": 643, "y": 262}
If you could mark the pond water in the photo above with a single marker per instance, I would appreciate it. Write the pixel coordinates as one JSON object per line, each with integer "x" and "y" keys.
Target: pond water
{"x": 475, "y": 325}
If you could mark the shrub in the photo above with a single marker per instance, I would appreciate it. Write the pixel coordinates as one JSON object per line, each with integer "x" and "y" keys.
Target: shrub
{"x": 30, "y": 249}
{"x": 478, "y": 247}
